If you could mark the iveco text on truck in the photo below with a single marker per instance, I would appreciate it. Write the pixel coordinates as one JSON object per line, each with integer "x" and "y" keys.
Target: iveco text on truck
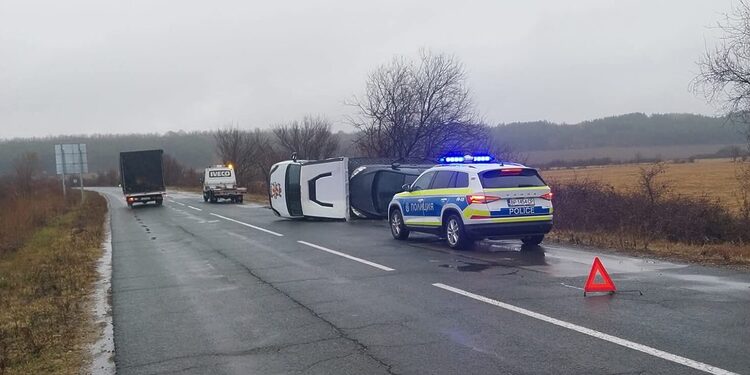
{"x": 141, "y": 177}
{"x": 219, "y": 182}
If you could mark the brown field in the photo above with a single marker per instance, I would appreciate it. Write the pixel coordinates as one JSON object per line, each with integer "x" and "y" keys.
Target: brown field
{"x": 622, "y": 153}
{"x": 712, "y": 177}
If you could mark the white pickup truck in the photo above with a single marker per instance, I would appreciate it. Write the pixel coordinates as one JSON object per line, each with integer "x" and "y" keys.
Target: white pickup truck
{"x": 219, "y": 182}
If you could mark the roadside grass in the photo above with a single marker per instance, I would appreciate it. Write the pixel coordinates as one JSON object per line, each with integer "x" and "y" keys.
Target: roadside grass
{"x": 714, "y": 178}
{"x": 44, "y": 289}
{"x": 25, "y": 211}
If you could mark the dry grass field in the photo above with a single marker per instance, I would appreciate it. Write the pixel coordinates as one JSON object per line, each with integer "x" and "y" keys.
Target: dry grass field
{"x": 45, "y": 280}
{"x": 712, "y": 177}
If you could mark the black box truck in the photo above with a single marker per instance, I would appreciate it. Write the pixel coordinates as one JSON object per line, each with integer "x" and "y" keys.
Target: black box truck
{"x": 141, "y": 177}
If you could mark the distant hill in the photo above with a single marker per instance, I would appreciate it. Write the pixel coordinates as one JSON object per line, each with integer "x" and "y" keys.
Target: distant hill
{"x": 630, "y": 130}
{"x": 635, "y": 130}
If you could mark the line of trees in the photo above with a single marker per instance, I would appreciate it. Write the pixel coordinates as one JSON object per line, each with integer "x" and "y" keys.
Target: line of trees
{"x": 252, "y": 152}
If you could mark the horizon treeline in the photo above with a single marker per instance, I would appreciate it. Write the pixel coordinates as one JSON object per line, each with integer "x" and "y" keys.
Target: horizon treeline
{"x": 196, "y": 149}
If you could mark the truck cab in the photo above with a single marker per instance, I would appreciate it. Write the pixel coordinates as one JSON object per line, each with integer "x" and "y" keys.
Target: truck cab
{"x": 220, "y": 182}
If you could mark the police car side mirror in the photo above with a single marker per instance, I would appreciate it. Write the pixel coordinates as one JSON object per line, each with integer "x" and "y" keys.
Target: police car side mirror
{"x": 406, "y": 187}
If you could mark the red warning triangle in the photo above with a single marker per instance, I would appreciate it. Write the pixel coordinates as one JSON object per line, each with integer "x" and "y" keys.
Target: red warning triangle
{"x": 592, "y": 285}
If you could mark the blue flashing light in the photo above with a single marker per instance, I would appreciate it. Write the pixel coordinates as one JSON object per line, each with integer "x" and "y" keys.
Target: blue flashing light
{"x": 466, "y": 159}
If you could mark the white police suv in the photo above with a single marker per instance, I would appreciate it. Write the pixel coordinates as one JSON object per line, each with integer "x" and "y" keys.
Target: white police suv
{"x": 471, "y": 197}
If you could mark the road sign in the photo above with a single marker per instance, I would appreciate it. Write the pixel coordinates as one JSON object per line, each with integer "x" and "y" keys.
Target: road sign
{"x": 592, "y": 285}
{"x": 71, "y": 158}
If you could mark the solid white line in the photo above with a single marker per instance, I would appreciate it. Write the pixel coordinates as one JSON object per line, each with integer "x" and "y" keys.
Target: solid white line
{"x": 571, "y": 286}
{"x": 587, "y": 331}
{"x": 249, "y": 225}
{"x": 347, "y": 256}
{"x": 195, "y": 208}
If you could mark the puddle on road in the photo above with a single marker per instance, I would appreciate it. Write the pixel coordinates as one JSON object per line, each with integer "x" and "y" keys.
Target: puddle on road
{"x": 468, "y": 266}
{"x": 710, "y": 283}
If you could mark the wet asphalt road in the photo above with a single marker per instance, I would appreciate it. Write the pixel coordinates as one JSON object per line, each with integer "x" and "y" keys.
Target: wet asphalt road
{"x": 246, "y": 292}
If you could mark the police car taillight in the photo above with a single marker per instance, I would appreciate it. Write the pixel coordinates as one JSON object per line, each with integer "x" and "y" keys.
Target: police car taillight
{"x": 511, "y": 171}
{"x": 547, "y": 196}
{"x": 481, "y": 198}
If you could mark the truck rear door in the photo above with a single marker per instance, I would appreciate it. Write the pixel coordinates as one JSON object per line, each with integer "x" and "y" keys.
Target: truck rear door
{"x": 324, "y": 188}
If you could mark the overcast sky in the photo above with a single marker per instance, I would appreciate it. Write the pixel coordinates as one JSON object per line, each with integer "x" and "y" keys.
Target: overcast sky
{"x": 82, "y": 67}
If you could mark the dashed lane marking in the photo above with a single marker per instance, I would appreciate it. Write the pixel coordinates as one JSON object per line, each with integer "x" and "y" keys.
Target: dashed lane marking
{"x": 347, "y": 256}
{"x": 248, "y": 225}
{"x": 590, "y": 332}
{"x": 195, "y": 208}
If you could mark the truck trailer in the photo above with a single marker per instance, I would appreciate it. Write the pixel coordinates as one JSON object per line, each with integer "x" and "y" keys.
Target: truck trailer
{"x": 141, "y": 177}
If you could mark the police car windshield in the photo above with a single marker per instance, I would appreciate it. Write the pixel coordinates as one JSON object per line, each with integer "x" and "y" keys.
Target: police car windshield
{"x": 499, "y": 179}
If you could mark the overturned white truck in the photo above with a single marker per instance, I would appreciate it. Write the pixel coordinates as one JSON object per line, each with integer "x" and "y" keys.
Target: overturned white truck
{"x": 337, "y": 188}
{"x": 316, "y": 188}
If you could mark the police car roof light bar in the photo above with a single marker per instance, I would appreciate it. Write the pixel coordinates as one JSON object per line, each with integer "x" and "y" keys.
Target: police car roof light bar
{"x": 466, "y": 159}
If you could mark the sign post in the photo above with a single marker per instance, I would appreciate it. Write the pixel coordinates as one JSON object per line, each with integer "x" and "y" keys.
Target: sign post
{"x": 71, "y": 159}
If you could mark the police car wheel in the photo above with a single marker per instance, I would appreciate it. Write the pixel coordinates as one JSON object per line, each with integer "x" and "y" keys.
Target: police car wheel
{"x": 398, "y": 228}
{"x": 532, "y": 240}
{"x": 455, "y": 233}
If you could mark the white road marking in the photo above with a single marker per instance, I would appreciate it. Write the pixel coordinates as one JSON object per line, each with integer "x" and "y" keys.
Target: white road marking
{"x": 347, "y": 256}
{"x": 570, "y": 286}
{"x": 195, "y": 208}
{"x": 181, "y": 204}
{"x": 249, "y": 225}
{"x": 587, "y": 331}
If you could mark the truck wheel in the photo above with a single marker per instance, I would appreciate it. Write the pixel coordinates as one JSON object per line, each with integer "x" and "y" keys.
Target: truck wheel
{"x": 399, "y": 230}
{"x": 159, "y": 202}
{"x": 455, "y": 233}
{"x": 205, "y": 197}
{"x": 212, "y": 198}
{"x": 240, "y": 199}
{"x": 532, "y": 240}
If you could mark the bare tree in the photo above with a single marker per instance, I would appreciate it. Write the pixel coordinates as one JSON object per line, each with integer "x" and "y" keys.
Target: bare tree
{"x": 173, "y": 171}
{"x": 724, "y": 76}
{"x": 25, "y": 167}
{"x": 725, "y": 80}
{"x": 417, "y": 109}
{"x": 250, "y": 152}
{"x": 233, "y": 146}
{"x": 310, "y": 139}
{"x": 651, "y": 184}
